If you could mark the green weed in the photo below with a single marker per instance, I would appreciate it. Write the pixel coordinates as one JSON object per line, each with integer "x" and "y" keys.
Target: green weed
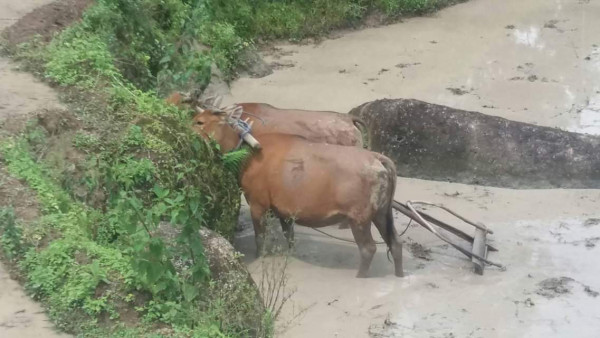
{"x": 10, "y": 239}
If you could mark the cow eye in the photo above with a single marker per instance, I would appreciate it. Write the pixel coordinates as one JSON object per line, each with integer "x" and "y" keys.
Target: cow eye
{"x": 199, "y": 123}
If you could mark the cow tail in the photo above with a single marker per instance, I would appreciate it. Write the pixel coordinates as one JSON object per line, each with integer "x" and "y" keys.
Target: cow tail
{"x": 390, "y": 230}
{"x": 364, "y": 131}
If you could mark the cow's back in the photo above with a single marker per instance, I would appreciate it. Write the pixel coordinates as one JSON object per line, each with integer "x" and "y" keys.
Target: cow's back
{"x": 316, "y": 126}
{"x": 308, "y": 180}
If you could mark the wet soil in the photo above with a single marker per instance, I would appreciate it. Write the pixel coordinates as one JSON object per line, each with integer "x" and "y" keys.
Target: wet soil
{"x": 46, "y": 20}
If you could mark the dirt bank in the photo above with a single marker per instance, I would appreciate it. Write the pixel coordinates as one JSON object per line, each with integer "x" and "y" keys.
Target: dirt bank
{"x": 20, "y": 94}
{"x": 535, "y": 61}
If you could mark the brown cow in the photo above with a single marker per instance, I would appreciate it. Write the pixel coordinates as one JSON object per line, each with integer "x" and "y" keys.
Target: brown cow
{"x": 316, "y": 126}
{"x": 315, "y": 184}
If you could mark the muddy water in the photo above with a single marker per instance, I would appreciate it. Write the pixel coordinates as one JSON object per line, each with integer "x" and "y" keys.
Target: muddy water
{"x": 535, "y": 61}
{"x": 541, "y": 234}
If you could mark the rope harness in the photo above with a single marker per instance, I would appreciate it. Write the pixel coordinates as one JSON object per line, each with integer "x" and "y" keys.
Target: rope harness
{"x": 352, "y": 241}
{"x": 246, "y": 129}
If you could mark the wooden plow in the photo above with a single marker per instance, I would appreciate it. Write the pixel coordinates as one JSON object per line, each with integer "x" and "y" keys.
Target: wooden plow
{"x": 480, "y": 247}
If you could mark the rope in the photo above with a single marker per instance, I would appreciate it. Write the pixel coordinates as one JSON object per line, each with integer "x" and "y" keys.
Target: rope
{"x": 409, "y": 222}
{"x": 351, "y": 241}
{"x": 340, "y": 238}
{"x": 246, "y": 129}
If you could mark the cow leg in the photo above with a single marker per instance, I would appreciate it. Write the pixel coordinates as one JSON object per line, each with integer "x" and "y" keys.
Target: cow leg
{"x": 366, "y": 247}
{"x": 395, "y": 246}
{"x": 287, "y": 225}
{"x": 257, "y": 213}
{"x": 343, "y": 225}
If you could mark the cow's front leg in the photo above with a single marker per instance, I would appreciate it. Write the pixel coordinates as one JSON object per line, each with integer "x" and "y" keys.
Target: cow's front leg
{"x": 287, "y": 225}
{"x": 257, "y": 213}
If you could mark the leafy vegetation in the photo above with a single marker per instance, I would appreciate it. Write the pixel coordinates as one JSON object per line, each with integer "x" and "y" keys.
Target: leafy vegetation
{"x": 110, "y": 174}
{"x": 93, "y": 266}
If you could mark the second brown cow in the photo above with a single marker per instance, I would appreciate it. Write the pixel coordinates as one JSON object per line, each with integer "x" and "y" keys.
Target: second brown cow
{"x": 316, "y": 126}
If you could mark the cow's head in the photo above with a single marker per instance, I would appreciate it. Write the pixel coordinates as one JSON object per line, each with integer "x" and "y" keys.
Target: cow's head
{"x": 214, "y": 123}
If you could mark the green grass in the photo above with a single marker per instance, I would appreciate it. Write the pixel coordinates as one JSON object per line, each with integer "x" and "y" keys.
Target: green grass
{"x": 88, "y": 266}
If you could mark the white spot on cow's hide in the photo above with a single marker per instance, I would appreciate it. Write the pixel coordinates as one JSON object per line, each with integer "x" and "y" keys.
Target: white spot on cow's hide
{"x": 377, "y": 176}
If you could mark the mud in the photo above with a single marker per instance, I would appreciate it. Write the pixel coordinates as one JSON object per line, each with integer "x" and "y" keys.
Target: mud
{"x": 45, "y": 20}
{"x": 559, "y": 286}
{"x": 14, "y": 193}
{"x": 419, "y": 251}
{"x": 21, "y": 93}
{"x": 554, "y": 287}
{"x": 541, "y": 234}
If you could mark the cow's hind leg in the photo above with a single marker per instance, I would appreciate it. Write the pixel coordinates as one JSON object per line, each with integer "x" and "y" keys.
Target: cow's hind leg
{"x": 366, "y": 247}
{"x": 384, "y": 222}
{"x": 257, "y": 213}
{"x": 287, "y": 225}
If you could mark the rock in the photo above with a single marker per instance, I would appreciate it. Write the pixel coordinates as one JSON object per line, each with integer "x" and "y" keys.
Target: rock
{"x": 436, "y": 142}
{"x": 232, "y": 285}
{"x": 252, "y": 65}
{"x": 221, "y": 255}
{"x": 218, "y": 85}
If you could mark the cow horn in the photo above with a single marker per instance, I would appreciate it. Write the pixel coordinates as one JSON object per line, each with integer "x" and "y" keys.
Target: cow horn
{"x": 199, "y": 110}
{"x": 217, "y": 101}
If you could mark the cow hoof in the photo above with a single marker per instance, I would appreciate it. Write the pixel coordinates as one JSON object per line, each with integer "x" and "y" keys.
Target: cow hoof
{"x": 362, "y": 275}
{"x": 399, "y": 274}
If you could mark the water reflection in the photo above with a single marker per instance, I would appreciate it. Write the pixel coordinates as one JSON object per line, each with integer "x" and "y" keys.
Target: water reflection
{"x": 529, "y": 37}
{"x": 589, "y": 117}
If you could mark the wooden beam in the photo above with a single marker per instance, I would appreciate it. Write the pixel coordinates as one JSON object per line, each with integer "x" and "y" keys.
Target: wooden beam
{"x": 479, "y": 248}
{"x": 404, "y": 209}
